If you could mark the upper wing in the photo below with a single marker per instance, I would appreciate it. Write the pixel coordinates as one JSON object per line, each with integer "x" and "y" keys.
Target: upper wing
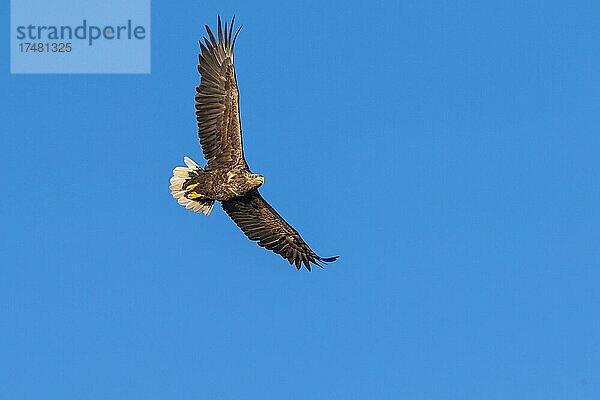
{"x": 260, "y": 222}
{"x": 217, "y": 101}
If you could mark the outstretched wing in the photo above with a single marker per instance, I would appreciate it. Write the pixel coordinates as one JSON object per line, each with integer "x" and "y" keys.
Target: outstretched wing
{"x": 217, "y": 101}
{"x": 260, "y": 222}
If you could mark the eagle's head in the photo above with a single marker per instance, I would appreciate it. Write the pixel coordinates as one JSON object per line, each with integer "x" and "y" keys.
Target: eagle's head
{"x": 258, "y": 180}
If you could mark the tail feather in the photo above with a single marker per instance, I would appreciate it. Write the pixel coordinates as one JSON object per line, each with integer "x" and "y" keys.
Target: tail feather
{"x": 191, "y": 163}
{"x": 180, "y": 176}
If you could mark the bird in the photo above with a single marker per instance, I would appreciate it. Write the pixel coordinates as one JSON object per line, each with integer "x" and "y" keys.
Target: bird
{"x": 226, "y": 177}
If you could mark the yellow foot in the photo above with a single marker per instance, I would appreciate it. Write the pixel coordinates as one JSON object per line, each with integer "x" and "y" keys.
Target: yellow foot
{"x": 191, "y": 194}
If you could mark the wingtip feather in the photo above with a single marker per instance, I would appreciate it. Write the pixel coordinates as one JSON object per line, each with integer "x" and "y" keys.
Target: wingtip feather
{"x": 328, "y": 259}
{"x": 219, "y": 28}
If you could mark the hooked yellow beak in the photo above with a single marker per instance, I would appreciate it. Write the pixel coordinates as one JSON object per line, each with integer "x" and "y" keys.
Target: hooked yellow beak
{"x": 261, "y": 179}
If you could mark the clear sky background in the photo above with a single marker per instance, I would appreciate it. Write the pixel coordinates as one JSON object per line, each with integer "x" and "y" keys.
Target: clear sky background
{"x": 447, "y": 151}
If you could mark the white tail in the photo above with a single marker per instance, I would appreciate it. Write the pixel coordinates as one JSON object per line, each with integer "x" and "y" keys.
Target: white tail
{"x": 180, "y": 176}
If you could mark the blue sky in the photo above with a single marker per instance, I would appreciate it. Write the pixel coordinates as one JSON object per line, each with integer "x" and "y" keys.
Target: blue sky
{"x": 447, "y": 151}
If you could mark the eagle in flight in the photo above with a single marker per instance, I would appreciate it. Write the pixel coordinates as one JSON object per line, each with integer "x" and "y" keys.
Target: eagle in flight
{"x": 226, "y": 176}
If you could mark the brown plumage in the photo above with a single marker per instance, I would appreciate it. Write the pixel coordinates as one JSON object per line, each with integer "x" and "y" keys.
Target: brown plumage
{"x": 260, "y": 222}
{"x": 217, "y": 102}
{"x": 226, "y": 176}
